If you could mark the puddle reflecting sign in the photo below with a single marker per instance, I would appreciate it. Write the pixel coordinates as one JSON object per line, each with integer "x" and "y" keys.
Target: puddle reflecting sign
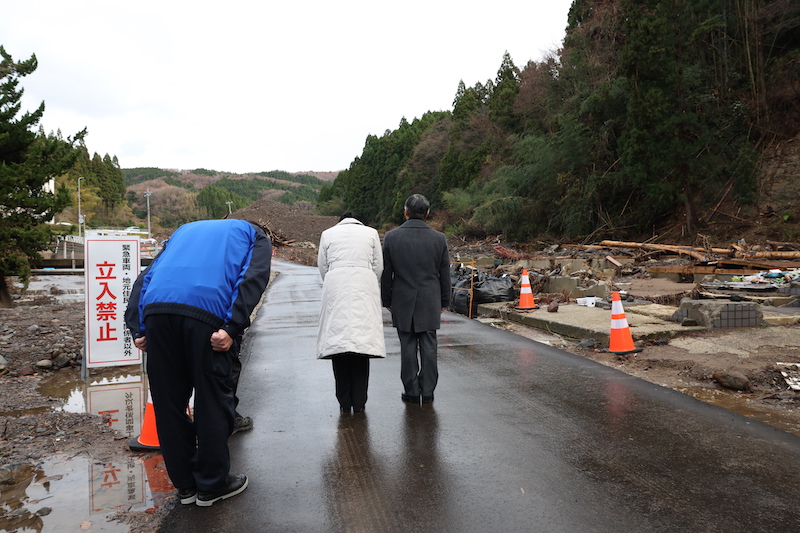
{"x": 120, "y": 405}
{"x": 114, "y": 484}
{"x": 111, "y": 264}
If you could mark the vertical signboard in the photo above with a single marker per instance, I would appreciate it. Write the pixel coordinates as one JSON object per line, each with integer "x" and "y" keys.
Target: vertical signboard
{"x": 111, "y": 264}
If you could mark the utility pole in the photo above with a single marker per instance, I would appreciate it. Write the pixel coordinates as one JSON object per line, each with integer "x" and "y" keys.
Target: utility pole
{"x": 80, "y": 216}
{"x": 229, "y": 206}
{"x": 147, "y": 194}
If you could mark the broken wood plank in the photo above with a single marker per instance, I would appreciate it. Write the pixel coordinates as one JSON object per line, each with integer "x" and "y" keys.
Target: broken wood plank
{"x": 789, "y": 245}
{"x": 665, "y": 247}
{"x": 771, "y": 255}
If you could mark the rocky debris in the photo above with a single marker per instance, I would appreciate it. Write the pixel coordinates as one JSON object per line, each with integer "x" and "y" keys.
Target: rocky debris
{"x": 29, "y": 437}
{"x": 39, "y": 338}
{"x": 587, "y": 344}
{"x": 732, "y": 380}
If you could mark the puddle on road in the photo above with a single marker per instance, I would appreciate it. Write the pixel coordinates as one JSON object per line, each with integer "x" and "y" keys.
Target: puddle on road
{"x": 76, "y": 493}
{"x": 743, "y": 405}
{"x": 80, "y": 493}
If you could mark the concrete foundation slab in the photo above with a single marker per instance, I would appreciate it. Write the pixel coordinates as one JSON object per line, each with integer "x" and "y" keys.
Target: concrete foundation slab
{"x": 580, "y": 322}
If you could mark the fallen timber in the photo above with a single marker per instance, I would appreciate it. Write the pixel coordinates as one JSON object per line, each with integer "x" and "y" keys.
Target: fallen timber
{"x": 701, "y": 254}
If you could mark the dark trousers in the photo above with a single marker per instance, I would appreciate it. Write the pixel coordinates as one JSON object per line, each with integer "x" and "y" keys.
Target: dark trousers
{"x": 418, "y": 369}
{"x": 179, "y": 360}
{"x": 351, "y": 372}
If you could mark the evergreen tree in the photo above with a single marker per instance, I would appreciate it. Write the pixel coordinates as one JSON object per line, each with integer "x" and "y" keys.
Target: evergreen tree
{"x": 28, "y": 160}
{"x": 466, "y": 102}
{"x": 682, "y": 141}
{"x": 116, "y": 182}
{"x": 501, "y": 100}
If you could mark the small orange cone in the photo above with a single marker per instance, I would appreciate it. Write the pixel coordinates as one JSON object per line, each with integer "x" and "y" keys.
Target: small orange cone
{"x": 148, "y": 440}
{"x": 621, "y": 340}
{"x": 525, "y": 294}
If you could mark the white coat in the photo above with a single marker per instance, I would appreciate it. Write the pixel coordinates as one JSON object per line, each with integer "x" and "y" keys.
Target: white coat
{"x": 350, "y": 261}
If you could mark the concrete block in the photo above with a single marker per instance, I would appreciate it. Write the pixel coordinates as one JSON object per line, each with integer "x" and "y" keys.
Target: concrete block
{"x": 792, "y": 289}
{"x": 570, "y": 285}
{"x": 573, "y": 265}
{"x": 720, "y": 314}
{"x": 534, "y": 264}
{"x": 677, "y": 277}
{"x": 608, "y": 273}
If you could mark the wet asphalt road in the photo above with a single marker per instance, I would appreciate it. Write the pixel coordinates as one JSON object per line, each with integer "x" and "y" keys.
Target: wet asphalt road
{"x": 521, "y": 437}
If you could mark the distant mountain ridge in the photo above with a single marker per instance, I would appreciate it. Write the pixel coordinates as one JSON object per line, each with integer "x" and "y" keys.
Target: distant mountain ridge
{"x": 200, "y": 177}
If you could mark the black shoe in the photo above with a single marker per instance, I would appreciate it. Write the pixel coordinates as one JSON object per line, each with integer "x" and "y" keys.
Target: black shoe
{"x": 345, "y": 410}
{"x": 236, "y": 484}
{"x": 187, "y": 496}
{"x": 242, "y": 423}
{"x": 409, "y": 398}
{"x": 427, "y": 399}
{"x": 357, "y": 410}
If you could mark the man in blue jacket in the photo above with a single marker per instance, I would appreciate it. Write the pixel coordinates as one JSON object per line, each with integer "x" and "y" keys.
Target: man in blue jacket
{"x": 186, "y": 310}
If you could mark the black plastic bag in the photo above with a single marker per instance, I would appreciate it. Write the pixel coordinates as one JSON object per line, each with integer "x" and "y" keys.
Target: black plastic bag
{"x": 485, "y": 289}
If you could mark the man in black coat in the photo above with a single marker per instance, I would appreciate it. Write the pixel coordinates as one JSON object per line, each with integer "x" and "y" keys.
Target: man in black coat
{"x": 415, "y": 288}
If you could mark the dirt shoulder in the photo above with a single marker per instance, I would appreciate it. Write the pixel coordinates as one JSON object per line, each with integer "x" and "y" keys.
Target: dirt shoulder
{"x": 689, "y": 363}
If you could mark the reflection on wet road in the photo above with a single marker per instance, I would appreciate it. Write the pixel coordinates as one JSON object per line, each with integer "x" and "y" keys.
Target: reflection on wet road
{"x": 521, "y": 437}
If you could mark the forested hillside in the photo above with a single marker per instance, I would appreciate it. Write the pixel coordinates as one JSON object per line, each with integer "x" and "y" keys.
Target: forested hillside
{"x": 652, "y": 119}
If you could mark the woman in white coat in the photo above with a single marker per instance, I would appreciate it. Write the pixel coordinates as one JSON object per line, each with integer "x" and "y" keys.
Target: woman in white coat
{"x": 350, "y": 331}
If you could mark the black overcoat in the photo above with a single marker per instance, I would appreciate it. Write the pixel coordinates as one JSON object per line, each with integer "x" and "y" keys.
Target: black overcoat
{"x": 416, "y": 276}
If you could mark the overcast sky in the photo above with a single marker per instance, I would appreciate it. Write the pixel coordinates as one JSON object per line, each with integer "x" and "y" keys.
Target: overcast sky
{"x": 249, "y": 86}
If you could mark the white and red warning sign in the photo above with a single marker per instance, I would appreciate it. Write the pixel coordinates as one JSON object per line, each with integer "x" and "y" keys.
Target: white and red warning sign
{"x": 111, "y": 264}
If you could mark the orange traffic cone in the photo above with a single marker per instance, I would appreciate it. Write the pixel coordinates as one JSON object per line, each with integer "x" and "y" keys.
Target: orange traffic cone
{"x": 148, "y": 440}
{"x": 621, "y": 340}
{"x": 525, "y": 294}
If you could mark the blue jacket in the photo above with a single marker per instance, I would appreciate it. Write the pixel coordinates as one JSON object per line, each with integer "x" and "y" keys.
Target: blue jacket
{"x": 211, "y": 270}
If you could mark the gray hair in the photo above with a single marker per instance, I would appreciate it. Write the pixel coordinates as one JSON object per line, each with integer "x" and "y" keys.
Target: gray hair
{"x": 417, "y": 206}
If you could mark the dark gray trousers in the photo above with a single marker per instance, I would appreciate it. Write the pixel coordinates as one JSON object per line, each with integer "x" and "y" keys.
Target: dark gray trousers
{"x": 418, "y": 370}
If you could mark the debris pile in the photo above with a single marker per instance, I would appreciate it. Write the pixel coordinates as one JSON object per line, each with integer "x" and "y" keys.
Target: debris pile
{"x": 286, "y": 225}
{"x": 775, "y": 277}
{"x": 660, "y": 273}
